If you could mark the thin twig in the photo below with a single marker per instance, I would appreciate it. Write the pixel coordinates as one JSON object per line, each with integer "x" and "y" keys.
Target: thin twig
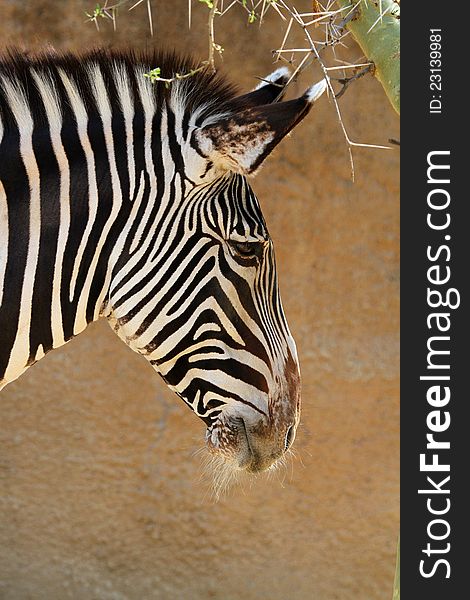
{"x": 149, "y": 13}
{"x": 347, "y": 80}
{"x": 285, "y": 38}
{"x": 212, "y": 45}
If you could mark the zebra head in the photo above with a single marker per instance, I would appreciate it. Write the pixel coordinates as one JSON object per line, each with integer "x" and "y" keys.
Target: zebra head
{"x": 196, "y": 289}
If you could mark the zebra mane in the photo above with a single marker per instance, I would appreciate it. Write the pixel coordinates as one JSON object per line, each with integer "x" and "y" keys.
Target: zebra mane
{"x": 203, "y": 92}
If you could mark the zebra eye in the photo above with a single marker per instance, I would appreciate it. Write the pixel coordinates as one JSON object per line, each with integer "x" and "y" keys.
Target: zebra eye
{"x": 246, "y": 249}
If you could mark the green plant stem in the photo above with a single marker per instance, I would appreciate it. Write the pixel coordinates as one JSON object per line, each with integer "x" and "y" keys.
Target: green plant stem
{"x": 396, "y": 584}
{"x": 379, "y": 38}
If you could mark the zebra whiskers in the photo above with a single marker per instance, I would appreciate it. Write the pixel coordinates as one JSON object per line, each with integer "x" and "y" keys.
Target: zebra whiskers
{"x": 222, "y": 473}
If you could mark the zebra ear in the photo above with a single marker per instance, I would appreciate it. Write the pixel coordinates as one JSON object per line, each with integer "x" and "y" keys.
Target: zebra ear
{"x": 270, "y": 89}
{"x": 240, "y": 142}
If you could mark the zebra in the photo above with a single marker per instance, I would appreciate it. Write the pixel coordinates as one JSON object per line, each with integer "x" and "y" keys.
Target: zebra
{"x": 129, "y": 200}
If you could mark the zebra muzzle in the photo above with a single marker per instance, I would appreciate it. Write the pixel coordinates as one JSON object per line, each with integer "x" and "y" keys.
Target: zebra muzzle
{"x": 263, "y": 450}
{"x": 253, "y": 445}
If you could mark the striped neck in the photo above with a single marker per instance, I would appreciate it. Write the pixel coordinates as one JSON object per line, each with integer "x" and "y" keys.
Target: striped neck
{"x": 79, "y": 175}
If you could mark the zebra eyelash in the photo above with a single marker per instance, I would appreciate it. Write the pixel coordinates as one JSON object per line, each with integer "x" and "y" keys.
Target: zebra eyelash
{"x": 290, "y": 434}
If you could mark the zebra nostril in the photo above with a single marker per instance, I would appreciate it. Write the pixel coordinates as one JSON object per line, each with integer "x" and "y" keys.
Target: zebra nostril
{"x": 290, "y": 435}
{"x": 242, "y": 428}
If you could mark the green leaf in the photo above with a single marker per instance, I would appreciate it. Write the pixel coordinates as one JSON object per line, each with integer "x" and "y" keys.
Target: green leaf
{"x": 98, "y": 12}
{"x": 154, "y": 74}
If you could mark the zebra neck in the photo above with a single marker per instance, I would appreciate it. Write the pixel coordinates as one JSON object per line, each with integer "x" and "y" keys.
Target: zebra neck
{"x": 62, "y": 218}
{"x": 82, "y": 139}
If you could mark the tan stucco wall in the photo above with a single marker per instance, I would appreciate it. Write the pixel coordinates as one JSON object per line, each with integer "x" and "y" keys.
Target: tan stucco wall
{"x": 101, "y": 494}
